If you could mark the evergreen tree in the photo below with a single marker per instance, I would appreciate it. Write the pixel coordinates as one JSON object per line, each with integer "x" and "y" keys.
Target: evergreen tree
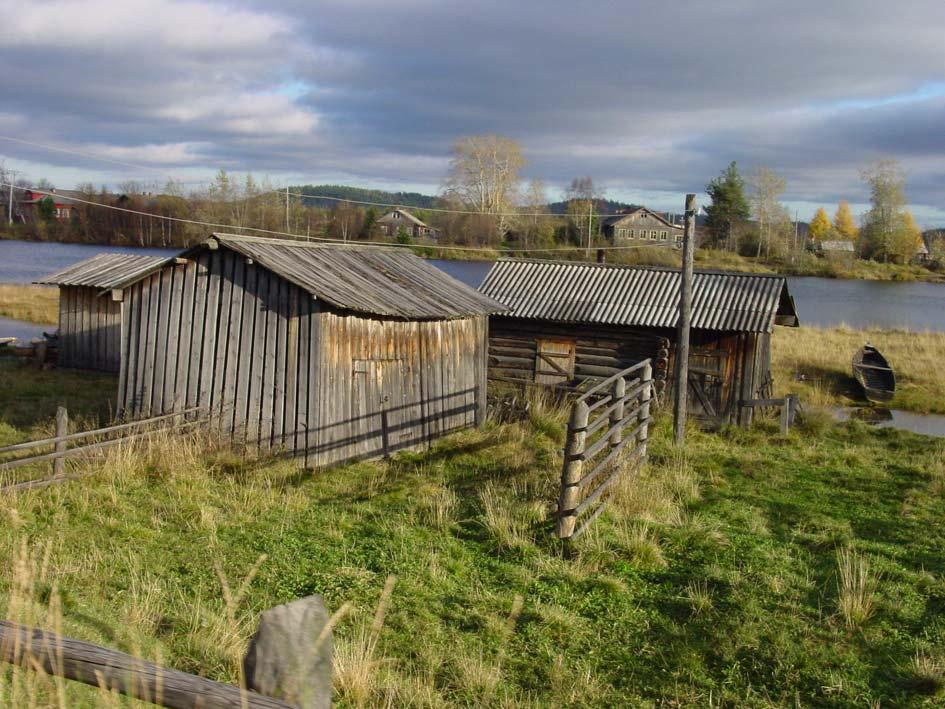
{"x": 820, "y": 225}
{"x": 843, "y": 222}
{"x": 729, "y": 206}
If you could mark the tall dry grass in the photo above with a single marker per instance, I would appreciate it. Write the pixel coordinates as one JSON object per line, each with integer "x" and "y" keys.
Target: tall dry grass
{"x": 38, "y": 304}
{"x": 823, "y": 358}
{"x": 856, "y": 587}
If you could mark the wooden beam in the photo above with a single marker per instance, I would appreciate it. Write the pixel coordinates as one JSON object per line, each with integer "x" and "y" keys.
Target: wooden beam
{"x": 685, "y": 319}
{"x": 96, "y": 666}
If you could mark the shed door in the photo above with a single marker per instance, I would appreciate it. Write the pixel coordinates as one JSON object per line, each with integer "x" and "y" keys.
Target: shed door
{"x": 707, "y": 383}
{"x": 554, "y": 362}
{"x": 388, "y": 417}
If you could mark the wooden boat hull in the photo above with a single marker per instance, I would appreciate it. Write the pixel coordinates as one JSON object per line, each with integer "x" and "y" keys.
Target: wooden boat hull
{"x": 874, "y": 374}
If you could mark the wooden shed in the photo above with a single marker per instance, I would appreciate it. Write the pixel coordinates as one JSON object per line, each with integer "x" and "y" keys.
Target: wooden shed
{"x": 570, "y": 322}
{"x": 90, "y": 308}
{"x": 329, "y": 352}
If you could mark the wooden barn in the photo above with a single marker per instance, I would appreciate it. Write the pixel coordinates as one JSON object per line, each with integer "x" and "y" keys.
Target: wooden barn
{"x": 90, "y": 308}
{"x": 324, "y": 351}
{"x": 570, "y": 322}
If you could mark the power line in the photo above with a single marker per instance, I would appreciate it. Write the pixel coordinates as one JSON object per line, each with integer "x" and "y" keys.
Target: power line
{"x": 339, "y": 242}
{"x": 93, "y": 156}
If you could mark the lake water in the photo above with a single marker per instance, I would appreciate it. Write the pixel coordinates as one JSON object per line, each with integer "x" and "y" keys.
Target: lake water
{"x": 822, "y": 302}
{"x": 927, "y": 424}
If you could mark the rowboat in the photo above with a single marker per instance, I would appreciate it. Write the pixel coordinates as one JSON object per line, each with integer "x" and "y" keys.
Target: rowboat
{"x": 874, "y": 374}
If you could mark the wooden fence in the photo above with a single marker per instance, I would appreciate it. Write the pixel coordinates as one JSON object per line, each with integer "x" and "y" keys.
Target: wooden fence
{"x": 607, "y": 434}
{"x": 287, "y": 664}
{"x": 788, "y": 407}
{"x": 66, "y": 445}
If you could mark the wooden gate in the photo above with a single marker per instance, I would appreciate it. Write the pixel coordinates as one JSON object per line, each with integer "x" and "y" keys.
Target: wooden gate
{"x": 607, "y": 435}
{"x": 707, "y": 392}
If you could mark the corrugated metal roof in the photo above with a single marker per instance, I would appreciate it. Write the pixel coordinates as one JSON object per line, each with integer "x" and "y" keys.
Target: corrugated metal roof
{"x": 104, "y": 271}
{"x": 380, "y": 281}
{"x": 638, "y": 296}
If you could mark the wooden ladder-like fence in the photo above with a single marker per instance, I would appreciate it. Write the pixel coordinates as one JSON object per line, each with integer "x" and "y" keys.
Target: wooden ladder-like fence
{"x": 607, "y": 435}
{"x": 64, "y": 444}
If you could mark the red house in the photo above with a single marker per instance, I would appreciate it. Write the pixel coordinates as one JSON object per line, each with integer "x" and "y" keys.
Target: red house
{"x": 64, "y": 204}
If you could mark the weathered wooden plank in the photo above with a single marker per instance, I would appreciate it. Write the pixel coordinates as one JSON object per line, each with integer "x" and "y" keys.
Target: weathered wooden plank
{"x": 292, "y": 369}
{"x": 132, "y": 676}
{"x": 305, "y": 335}
{"x": 124, "y": 317}
{"x": 271, "y": 305}
{"x": 281, "y": 340}
{"x": 185, "y": 341}
{"x": 242, "y": 372}
{"x": 141, "y": 363}
{"x": 223, "y": 323}
{"x": 161, "y": 342}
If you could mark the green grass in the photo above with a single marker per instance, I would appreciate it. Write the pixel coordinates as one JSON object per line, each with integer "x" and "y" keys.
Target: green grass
{"x": 713, "y": 578}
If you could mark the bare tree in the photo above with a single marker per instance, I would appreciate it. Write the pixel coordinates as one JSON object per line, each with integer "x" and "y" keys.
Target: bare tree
{"x": 484, "y": 176}
{"x": 766, "y": 188}
{"x": 582, "y": 196}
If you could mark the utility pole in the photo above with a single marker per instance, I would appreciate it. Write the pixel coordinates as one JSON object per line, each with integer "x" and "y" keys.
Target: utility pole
{"x": 590, "y": 211}
{"x": 287, "y": 208}
{"x": 685, "y": 317}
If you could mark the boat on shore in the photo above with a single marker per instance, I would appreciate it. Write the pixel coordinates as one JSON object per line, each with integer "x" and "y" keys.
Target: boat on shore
{"x": 874, "y": 374}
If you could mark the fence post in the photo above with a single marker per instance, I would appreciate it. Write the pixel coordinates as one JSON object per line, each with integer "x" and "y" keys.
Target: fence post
{"x": 573, "y": 468}
{"x": 785, "y": 415}
{"x": 616, "y": 416}
{"x": 62, "y": 430}
{"x": 645, "y": 396}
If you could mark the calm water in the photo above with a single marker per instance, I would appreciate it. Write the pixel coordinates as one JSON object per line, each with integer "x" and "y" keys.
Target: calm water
{"x": 928, "y": 424}
{"x": 820, "y": 301}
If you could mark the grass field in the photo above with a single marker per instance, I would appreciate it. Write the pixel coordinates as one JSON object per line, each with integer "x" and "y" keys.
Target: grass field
{"x": 824, "y": 358}
{"x": 753, "y": 570}
{"x": 39, "y": 304}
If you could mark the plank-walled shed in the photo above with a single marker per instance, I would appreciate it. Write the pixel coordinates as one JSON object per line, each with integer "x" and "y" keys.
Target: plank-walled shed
{"x": 329, "y": 352}
{"x": 90, "y": 308}
{"x": 570, "y": 322}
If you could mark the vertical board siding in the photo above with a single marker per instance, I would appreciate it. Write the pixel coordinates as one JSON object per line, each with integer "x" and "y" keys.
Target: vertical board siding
{"x": 89, "y": 329}
{"x": 271, "y": 367}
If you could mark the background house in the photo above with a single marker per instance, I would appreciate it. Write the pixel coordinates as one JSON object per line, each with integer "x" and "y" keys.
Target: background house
{"x": 90, "y": 308}
{"x": 641, "y": 225}
{"x": 569, "y": 322}
{"x": 328, "y": 352}
{"x": 63, "y": 202}
{"x": 396, "y": 219}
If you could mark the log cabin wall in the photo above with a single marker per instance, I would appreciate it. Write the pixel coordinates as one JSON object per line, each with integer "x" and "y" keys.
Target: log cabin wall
{"x": 89, "y": 329}
{"x": 598, "y": 350}
{"x": 275, "y": 368}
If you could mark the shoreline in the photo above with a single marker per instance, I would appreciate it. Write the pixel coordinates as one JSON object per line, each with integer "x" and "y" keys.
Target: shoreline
{"x": 708, "y": 259}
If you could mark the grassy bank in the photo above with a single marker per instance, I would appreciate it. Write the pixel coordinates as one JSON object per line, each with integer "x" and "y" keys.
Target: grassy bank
{"x": 754, "y": 571}
{"x": 39, "y": 304}
{"x": 822, "y": 357}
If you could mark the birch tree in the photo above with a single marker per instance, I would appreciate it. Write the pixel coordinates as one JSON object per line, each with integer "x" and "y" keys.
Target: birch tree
{"x": 484, "y": 176}
{"x": 766, "y": 189}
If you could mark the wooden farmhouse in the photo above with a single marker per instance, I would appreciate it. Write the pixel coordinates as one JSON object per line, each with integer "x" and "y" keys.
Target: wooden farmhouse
{"x": 400, "y": 220}
{"x": 328, "y": 352}
{"x": 641, "y": 226}
{"x": 90, "y": 305}
{"x": 571, "y": 322}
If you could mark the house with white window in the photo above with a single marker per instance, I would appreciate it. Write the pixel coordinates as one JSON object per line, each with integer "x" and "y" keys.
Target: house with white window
{"x": 396, "y": 219}
{"x": 640, "y": 225}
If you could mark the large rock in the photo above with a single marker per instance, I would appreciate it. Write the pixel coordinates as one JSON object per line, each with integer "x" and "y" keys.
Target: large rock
{"x": 285, "y": 660}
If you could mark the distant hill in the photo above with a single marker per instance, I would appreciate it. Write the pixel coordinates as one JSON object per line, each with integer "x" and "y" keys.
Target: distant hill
{"x": 603, "y": 206}
{"x": 359, "y": 194}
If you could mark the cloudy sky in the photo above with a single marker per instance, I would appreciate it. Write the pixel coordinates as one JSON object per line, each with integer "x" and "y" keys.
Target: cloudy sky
{"x": 650, "y": 98}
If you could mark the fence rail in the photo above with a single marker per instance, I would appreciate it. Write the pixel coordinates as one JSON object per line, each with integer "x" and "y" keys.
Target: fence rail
{"x": 62, "y": 440}
{"x": 607, "y": 434}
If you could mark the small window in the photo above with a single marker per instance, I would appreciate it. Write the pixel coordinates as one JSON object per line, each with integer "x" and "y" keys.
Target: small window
{"x": 663, "y": 236}
{"x": 653, "y": 235}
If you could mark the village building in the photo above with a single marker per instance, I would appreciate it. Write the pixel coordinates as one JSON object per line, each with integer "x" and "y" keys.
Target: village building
{"x": 837, "y": 250}
{"x": 573, "y": 322}
{"x": 90, "y": 308}
{"x": 641, "y": 226}
{"x": 64, "y": 204}
{"x": 327, "y": 352}
{"x": 397, "y": 221}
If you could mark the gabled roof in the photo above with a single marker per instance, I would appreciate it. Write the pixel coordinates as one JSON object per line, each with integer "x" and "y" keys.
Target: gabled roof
{"x": 406, "y": 215}
{"x": 837, "y": 245}
{"x": 391, "y": 282}
{"x": 104, "y": 271}
{"x": 617, "y": 218}
{"x": 638, "y": 296}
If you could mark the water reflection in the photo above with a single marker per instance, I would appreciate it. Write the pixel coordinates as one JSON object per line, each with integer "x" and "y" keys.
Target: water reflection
{"x": 926, "y": 424}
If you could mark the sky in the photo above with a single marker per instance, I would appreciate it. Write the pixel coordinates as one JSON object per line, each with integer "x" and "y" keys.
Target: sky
{"x": 652, "y": 99}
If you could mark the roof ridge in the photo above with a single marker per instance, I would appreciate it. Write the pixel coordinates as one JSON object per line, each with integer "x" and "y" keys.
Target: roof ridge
{"x": 638, "y": 267}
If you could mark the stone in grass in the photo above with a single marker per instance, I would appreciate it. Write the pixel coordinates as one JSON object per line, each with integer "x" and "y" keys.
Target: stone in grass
{"x": 285, "y": 659}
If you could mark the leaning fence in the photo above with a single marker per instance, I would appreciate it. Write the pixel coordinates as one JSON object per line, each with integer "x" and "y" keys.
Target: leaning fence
{"x": 606, "y": 438}
{"x": 83, "y": 443}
